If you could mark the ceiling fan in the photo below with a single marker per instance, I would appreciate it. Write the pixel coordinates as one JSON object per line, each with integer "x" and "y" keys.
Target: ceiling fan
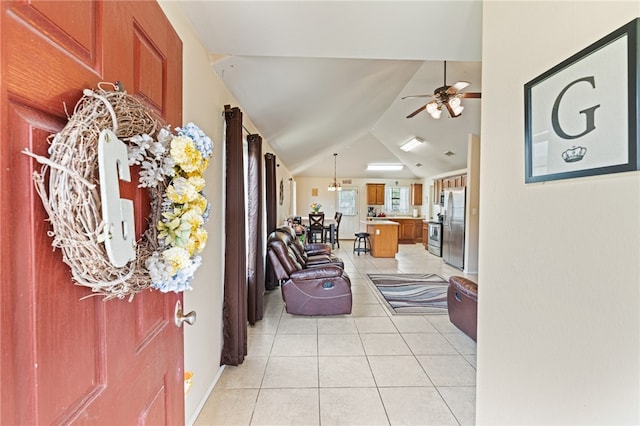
{"x": 445, "y": 96}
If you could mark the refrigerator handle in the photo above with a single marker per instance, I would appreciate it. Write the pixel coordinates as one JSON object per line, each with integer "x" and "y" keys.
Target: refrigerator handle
{"x": 448, "y": 206}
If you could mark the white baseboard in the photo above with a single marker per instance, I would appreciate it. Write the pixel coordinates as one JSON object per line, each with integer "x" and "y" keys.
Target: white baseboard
{"x": 205, "y": 397}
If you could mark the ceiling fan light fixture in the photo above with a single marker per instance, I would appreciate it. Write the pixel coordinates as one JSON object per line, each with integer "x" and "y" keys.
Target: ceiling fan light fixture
{"x": 335, "y": 186}
{"x": 445, "y": 96}
{"x": 411, "y": 144}
{"x": 456, "y": 106}
{"x": 434, "y": 109}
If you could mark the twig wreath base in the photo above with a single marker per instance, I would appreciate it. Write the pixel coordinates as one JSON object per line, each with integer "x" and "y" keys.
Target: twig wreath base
{"x": 72, "y": 199}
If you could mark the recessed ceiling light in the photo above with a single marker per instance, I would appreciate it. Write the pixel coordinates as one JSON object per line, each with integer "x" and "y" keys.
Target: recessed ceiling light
{"x": 411, "y": 144}
{"x": 384, "y": 167}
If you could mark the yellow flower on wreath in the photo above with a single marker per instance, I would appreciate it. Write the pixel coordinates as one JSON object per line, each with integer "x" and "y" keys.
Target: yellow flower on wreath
{"x": 186, "y": 154}
{"x": 197, "y": 181}
{"x": 193, "y": 218}
{"x": 177, "y": 258}
{"x": 181, "y": 191}
{"x": 199, "y": 171}
{"x": 197, "y": 241}
{"x": 199, "y": 204}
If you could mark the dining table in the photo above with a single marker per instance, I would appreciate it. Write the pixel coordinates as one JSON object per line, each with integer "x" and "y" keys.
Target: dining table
{"x": 329, "y": 223}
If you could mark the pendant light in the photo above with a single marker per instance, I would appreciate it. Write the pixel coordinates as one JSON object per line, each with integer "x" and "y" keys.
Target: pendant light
{"x": 335, "y": 186}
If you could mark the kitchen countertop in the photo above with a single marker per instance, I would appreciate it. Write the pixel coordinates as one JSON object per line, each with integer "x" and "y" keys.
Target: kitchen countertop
{"x": 372, "y": 218}
{"x": 380, "y": 221}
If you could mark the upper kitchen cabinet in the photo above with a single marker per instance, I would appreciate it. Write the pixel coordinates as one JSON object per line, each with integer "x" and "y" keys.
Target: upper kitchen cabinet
{"x": 437, "y": 190}
{"x": 439, "y": 185}
{"x": 416, "y": 194}
{"x": 457, "y": 181}
{"x": 375, "y": 194}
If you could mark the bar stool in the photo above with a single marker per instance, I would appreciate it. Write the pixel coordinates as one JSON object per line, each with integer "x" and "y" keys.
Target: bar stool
{"x": 360, "y": 243}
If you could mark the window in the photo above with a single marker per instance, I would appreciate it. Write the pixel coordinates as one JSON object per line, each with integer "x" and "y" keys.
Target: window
{"x": 396, "y": 199}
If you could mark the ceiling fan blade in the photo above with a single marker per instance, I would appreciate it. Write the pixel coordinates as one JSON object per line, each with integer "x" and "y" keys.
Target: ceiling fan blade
{"x": 416, "y": 112}
{"x": 460, "y": 85}
{"x": 471, "y": 95}
{"x": 416, "y": 96}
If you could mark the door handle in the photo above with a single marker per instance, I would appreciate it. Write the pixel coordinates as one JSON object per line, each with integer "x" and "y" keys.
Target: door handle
{"x": 180, "y": 317}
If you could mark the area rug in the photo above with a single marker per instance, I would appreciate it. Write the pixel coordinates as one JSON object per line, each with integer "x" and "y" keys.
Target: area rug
{"x": 413, "y": 293}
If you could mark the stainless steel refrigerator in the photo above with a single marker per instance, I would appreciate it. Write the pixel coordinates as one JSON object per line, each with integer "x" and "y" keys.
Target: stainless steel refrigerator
{"x": 453, "y": 227}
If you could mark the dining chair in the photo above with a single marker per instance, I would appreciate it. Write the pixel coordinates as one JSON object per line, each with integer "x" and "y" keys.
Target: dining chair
{"x": 316, "y": 227}
{"x": 333, "y": 234}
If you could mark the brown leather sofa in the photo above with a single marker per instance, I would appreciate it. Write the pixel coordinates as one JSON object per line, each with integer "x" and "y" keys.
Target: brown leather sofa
{"x": 321, "y": 289}
{"x": 462, "y": 302}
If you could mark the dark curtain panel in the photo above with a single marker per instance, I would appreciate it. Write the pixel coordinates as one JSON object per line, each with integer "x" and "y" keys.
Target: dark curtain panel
{"x": 255, "y": 261}
{"x": 272, "y": 211}
{"x": 234, "y": 308}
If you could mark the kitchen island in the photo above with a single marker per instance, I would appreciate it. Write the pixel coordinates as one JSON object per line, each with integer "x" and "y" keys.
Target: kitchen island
{"x": 384, "y": 237}
{"x": 410, "y": 231}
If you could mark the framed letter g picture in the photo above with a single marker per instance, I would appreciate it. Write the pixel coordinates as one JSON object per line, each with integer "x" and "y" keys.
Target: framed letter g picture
{"x": 581, "y": 116}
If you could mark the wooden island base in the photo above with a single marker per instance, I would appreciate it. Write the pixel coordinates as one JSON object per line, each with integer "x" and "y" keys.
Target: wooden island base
{"x": 384, "y": 237}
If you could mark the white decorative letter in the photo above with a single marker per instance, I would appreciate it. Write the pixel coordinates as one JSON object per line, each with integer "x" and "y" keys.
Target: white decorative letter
{"x": 117, "y": 213}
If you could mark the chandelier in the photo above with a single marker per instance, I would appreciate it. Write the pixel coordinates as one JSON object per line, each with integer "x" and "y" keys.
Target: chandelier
{"x": 335, "y": 186}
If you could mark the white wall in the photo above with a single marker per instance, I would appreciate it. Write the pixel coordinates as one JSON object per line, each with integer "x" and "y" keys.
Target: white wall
{"x": 204, "y": 97}
{"x": 559, "y": 324}
{"x": 282, "y": 173}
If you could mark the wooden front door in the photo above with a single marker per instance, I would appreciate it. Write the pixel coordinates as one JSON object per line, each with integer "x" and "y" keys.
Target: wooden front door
{"x": 66, "y": 360}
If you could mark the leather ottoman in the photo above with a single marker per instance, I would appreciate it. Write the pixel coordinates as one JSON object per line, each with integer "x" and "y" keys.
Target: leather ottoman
{"x": 462, "y": 302}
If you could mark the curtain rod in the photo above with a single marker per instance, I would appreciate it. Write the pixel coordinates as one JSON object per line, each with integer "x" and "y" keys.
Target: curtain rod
{"x": 243, "y": 126}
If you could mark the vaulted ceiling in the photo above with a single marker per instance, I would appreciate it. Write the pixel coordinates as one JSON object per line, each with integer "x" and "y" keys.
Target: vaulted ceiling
{"x": 318, "y": 77}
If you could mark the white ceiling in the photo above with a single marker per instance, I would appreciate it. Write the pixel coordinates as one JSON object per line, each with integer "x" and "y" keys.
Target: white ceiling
{"x": 318, "y": 77}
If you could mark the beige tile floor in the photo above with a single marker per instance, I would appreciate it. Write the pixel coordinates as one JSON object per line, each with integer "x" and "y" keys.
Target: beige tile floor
{"x": 367, "y": 368}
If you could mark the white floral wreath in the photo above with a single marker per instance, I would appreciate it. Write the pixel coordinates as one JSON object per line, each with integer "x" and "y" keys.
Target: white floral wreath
{"x": 171, "y": 167}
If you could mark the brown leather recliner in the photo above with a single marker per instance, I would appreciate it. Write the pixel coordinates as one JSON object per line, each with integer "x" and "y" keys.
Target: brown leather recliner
{"x": 462, "y": 302}
{"x": 304, "y": 258}
{"x": 323, "y": 289}
{"x": 310, "y": 248}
